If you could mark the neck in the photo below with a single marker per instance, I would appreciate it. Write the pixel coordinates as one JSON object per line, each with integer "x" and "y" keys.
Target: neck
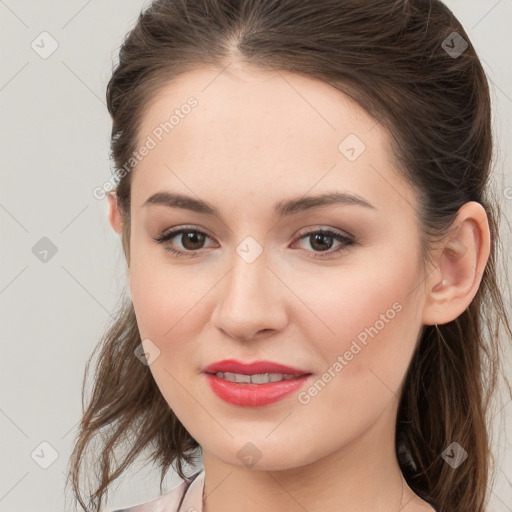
{"x": 362, "y": 476}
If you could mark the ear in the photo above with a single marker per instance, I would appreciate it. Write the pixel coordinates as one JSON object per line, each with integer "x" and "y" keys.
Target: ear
{"x": 116, "y": 221}
{"x": 114, "y": 215}
{"x": 458, "y": 266}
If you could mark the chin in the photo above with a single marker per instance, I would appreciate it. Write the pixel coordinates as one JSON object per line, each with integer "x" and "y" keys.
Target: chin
{"x": 262, "y": 454}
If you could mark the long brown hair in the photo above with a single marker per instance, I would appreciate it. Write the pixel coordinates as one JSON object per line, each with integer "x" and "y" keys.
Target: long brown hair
{"x": 392, "y": 57}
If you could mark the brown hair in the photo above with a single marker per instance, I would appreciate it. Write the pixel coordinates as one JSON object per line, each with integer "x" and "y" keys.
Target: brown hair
{"x": 389, "y": 56}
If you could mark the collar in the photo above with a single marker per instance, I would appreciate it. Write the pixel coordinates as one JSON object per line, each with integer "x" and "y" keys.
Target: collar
{"x": 193, "y": 497}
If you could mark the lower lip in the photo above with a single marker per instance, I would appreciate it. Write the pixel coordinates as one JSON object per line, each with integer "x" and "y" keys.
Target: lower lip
{"x": 254, "y": 395}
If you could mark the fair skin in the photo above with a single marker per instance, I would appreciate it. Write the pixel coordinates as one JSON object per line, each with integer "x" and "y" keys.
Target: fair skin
{"x": 257, "y": 138}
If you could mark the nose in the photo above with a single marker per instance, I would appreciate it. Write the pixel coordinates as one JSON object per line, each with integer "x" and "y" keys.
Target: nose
{"x": 250, "y": 301}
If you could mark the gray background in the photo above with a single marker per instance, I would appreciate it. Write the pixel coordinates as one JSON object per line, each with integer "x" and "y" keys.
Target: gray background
{"x": 54, "y": 151}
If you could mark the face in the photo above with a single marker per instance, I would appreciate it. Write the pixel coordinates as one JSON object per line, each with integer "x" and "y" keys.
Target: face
{"x": 264, "y": 272}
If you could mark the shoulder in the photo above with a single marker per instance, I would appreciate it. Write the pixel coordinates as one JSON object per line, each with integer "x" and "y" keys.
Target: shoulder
{"x": 168, "y": 502}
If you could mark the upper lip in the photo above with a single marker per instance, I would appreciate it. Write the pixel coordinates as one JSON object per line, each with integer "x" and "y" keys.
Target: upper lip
{"x": 257, "y": 367}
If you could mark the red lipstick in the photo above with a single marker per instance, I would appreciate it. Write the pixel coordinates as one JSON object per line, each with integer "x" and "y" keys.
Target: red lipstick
{"x": 253, "y": 384}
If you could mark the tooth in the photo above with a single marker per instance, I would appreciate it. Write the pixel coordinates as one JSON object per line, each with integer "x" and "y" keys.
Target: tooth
{"x": 260, "y": 378}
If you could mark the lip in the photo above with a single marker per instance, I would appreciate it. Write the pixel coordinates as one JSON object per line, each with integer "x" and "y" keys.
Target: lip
{"x": 234, "y": 366}
{"x": 253, "y": 395}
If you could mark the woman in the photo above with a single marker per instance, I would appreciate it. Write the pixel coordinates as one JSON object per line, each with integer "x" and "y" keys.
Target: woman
{"x": 303, "y": 203}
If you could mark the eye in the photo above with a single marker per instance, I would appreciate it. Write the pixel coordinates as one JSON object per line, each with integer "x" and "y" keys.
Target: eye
{"x": 322, "y": 240}
{"x": 191, "y": 239}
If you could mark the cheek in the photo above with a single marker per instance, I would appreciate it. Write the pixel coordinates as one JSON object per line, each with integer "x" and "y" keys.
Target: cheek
{"x": 169, "y": 303}
{"x": 160, "y": 305}
{"x": 374, "y": 321}
{"x": 365, "y": 361}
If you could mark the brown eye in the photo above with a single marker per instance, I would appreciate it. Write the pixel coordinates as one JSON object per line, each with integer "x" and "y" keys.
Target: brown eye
{"x": 191, "y": 241}
{"x": 321, "y": 240}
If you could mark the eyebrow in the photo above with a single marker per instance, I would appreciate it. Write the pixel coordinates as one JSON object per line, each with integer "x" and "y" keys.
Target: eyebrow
{"x": 281, "y": 209}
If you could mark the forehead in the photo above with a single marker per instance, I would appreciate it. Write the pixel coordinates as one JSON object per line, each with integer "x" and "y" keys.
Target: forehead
{"x": 258, "y": 130}
{"x": 239, "y": 98}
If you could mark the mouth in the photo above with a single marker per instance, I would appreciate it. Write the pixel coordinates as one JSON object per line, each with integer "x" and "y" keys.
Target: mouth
{"x": 232, "y": 366}
{"x": 254, "y": 384}
{"x": 257, "y": 378}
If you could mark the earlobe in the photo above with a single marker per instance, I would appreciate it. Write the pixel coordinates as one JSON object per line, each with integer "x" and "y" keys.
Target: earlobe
{"x": 114, "y": 214}
{"x": 459, "y": 266}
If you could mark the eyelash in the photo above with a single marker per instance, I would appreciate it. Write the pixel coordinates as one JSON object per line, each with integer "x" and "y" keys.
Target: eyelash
{"x": 346, "y": 241}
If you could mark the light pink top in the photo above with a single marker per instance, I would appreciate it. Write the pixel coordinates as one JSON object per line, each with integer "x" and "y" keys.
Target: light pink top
{"x": 186, "y": 497}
